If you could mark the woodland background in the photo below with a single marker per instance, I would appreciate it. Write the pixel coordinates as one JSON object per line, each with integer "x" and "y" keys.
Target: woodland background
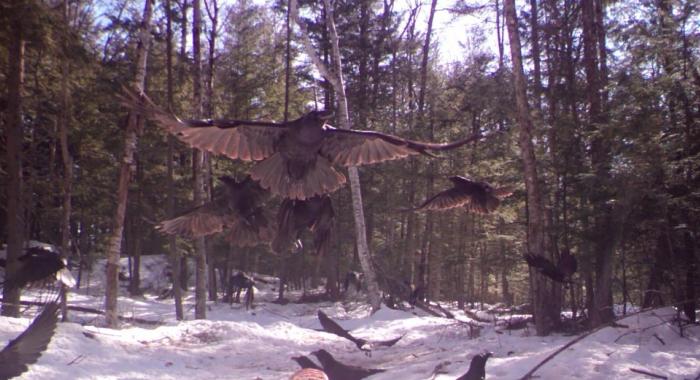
{"x": 613, "y": 90}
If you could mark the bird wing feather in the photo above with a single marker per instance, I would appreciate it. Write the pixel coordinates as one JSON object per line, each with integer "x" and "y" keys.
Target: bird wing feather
{"x": 446, "y": 199}
{"x": 236, "y": 139}
{"x": 348, "y": 147}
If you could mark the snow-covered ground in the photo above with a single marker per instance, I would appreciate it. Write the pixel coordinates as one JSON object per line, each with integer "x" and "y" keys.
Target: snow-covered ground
{"x": 257, "y": 344}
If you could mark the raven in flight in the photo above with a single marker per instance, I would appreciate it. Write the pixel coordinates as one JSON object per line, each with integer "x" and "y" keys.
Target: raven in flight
{"x": 236, "y": 208}
{"x": 477, "y": 368}
{"x": 331, "y": 326}
{"x": 475, "y": 196}
{"x": 38, "y": 264}
{"x": 29, "y": 345}
{"x": 562, "y": 272}
{"x": 295, "y": 159}
{"x": 339, "y": 371}
{"x": 294, "y": 216}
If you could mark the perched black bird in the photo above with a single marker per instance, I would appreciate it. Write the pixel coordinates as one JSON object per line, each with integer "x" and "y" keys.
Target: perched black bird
{"x": 562, "y": 272}
{"x": 305, "y": 362}
{"x": 339, "y": 371}
{"x": 331, "y": 326}
{"x": 475, "y": 196}
{"x": 236, "y": 209}
{"x": 37, "y": 265}
{"x": 29, "y": 345}
{"x": 354, "y": 279}
{"x": 295, "y": 216}
{"x": 477, "y": 368}
{"x": 296, "y": 158}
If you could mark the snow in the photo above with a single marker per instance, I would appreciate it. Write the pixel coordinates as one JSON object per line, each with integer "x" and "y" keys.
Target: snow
{"x": 257, "y": 344}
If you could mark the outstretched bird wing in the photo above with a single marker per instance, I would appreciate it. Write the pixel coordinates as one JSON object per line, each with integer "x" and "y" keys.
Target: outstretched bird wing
{"x": 237, "y": 139}
{"x": 201, "y": 221}
{"x": 445, "y": 200}
{"x": 28, "y": 346}
{"x": 330, "y": 326}
{"x": 348, "y": 147}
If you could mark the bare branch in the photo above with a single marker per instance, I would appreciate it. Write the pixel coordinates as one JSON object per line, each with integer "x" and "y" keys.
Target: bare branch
{"x": 309, "y": 48}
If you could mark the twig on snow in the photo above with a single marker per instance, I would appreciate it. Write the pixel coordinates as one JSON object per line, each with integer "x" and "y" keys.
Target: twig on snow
{"x": 643, "y": 372}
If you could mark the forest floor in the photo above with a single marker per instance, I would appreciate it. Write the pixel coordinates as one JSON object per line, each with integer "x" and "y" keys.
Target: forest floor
{"x": 239, "y": 344}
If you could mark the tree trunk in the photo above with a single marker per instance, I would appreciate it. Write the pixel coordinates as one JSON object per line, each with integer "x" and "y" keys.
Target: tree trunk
{"x": 545, "y": 317}
{"x": 67, "y": 187}
{"x": 200, "y": 292}
{"x": 130, "y": 139}
{"x": 172, "y": 247}
{"x": 604, "y": 235}
{"x": 13, "y": 140}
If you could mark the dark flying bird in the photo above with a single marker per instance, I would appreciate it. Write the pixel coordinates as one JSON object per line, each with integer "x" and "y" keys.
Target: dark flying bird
{"x": 236, "y": 209}
{"x": 305, "y": 362}
{"x": 332, "y": 327}
{"x": 295, "y": 159}
{"x": 294, "y": 216}
{"x": 477, "y": 368}
{"x": 29, "y": 345}
{"x": 562, "y": 272}
{"x": 339, "y": 371}
{"x": 37, "y": 265}
{"x": 475, "y": 196}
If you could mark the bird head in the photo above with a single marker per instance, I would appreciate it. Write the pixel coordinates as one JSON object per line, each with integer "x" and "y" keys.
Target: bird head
{"x": 322, "y": 355}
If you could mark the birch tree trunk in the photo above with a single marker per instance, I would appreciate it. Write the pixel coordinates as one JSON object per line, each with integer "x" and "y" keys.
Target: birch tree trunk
{"x": 544, "y": 316}
{"x": 130, "y": 139}
{"x": 200, "y": 292}
{"x": 335, "y": 77}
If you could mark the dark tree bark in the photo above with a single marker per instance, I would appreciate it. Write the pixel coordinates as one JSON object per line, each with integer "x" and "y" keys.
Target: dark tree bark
{"x": 130, "y": 140}
{"x": 172, "y": 247}
{"x": 603, "y": 225}
{"x": 13, "y": 140}
{"x": 67, "y": 185}
{"x": 545, "y": 317}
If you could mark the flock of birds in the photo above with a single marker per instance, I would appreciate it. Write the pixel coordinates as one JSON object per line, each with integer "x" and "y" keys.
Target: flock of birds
{"x": 296, "y": 161}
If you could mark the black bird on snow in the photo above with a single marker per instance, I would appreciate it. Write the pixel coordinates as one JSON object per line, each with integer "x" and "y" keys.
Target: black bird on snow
{"x": 30, "y": 344}
{"x": 294, "y": 216}
{"x": 37, "y": 265}
{"x": 339, "y": 371}
{"x": 236, "y": 208}
{"x": 295, "y": 159}
{"x": 332, "y": 327}
{"x": 477, "y": 368}
{"x": 305, "y": 362}
{"x": 562, "y": 272}
{"x": 475, "y": 196}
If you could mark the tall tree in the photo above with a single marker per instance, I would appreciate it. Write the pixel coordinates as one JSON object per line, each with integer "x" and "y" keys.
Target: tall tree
{"x": 170, "y": 183}
{"x": 544, "y": 316}
{"x": 199, "y": 160}
{"x": 335, "y": 77}
{"x": 18, "y": 11}
{"x": 130, "y": 141}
